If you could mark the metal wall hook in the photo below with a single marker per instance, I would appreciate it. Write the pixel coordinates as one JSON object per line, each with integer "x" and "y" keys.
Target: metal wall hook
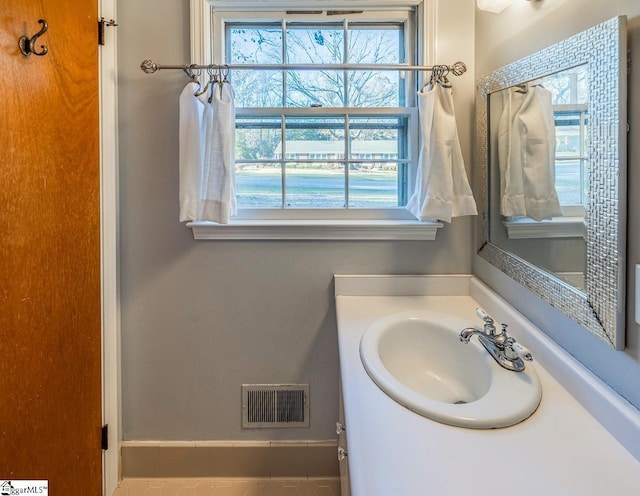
{"x": 28, "y": 45}
{"x": 103, "y": 23}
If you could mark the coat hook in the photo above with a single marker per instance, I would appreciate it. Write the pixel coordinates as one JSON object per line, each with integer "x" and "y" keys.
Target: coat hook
{"x": 28, "y": 45}
{"x": 102, "y": 23}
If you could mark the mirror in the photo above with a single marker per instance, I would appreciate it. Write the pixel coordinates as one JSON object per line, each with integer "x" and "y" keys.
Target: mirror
{"x": 551, "y": 147}
{"x": 538, "y": 165}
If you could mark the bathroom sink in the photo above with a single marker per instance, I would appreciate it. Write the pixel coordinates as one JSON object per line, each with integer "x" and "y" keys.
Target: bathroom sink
{"x": 417, "y": 359}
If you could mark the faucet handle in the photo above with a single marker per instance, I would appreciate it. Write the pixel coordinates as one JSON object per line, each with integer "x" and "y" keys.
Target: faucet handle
{"x": 519, "y": 350}
{"x": 483, "y": 315}
{"x": 489, "y": 326}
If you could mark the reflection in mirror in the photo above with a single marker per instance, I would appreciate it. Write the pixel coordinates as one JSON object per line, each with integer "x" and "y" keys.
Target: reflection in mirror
{"x": 538, "y": 160}
{"x": 551, "y": 149}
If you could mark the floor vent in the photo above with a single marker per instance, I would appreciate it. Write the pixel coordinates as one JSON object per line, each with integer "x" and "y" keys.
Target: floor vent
{"x": 275, "y": 405}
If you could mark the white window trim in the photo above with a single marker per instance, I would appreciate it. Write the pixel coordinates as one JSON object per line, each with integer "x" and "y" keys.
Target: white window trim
{"x": 570, "y": 225}
{"x": 394, "y": 224}
{"x": 330, "y": 230}
{"x": 557, "y": 227}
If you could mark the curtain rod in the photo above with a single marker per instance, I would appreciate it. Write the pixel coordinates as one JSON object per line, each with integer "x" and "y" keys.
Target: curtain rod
{"x": 457, "y": 69}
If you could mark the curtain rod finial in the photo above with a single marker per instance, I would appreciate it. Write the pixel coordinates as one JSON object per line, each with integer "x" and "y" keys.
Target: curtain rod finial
{"x": 459, "y": 68}
{"x": 149, "y": 66}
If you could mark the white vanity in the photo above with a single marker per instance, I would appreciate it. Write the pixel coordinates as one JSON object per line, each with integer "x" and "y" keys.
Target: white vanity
{"x": 583, "y": 439}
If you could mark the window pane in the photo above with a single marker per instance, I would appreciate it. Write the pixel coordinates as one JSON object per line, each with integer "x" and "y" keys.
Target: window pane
{"x": 377, "y": 144}
{"x": 254, "y": 88}
{"x": 373, "y": 185}
{"x": 315, "y": 89}
{"x": 319, "y": 44}
{"x": 569, "y": 182}
{"x": 259, "y": 185}
{"x": 254, "y": 44}
{"x": 375, "y": 89}
{"x": 314, "y": 179}
{"x": 372, "y": 44}
{"x": 568, "y": 141}
{"x": 377, "y": 139}
{"x": 316, "y": 185}
{"x": 307, "y": 136}
{"x": 258, "y": 138}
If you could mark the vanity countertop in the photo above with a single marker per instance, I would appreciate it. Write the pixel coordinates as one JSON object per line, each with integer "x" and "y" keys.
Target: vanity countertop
{"x": 561, "y": 450}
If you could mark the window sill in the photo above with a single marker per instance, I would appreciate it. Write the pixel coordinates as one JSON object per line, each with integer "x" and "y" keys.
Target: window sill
{"x": 558, "y": 227}
{"x": 335, "y": 230}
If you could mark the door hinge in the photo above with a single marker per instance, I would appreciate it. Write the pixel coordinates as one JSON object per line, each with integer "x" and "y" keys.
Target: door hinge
{"x": 105, "y": 437}
{"x": 102, "y": 23}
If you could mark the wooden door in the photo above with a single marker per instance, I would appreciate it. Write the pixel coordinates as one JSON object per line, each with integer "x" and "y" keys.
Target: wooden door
{"x": 50, "y": 322}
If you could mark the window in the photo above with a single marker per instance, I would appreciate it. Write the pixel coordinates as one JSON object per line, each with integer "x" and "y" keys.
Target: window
{"x": 335, "y": 141}
{"x": 570, "y": 108}
{"x": 326, "y": 152}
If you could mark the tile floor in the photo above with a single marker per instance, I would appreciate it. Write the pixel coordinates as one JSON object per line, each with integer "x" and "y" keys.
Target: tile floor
{"x": 229, "y": 487}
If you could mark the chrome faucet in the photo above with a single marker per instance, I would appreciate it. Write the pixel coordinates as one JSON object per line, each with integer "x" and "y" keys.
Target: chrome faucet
{"x": 502, "y": 347}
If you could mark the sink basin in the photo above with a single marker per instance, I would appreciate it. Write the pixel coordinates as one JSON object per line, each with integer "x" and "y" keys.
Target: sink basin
{"x": 417, "y": 359}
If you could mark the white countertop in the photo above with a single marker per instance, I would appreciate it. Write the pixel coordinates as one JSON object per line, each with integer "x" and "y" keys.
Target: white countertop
{"x": 560, "y": 450}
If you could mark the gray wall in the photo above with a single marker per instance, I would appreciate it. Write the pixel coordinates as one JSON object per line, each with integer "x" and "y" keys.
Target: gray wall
{"x": 519, "y": 31}
{"x": 201, "y": 318}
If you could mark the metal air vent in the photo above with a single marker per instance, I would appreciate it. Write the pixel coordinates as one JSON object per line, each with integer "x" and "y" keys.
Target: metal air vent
{"x": 275, "y": 405}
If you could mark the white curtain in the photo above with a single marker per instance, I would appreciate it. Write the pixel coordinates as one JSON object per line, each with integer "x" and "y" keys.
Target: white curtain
{"x": 526, "y": 154}
{"x": 442, "y": 189}
{"x": 191, "y": 152}
{"x": 207, "y": 154}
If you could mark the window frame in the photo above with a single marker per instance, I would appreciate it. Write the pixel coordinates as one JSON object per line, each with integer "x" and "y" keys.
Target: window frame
{"x": 207, "y": 46}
